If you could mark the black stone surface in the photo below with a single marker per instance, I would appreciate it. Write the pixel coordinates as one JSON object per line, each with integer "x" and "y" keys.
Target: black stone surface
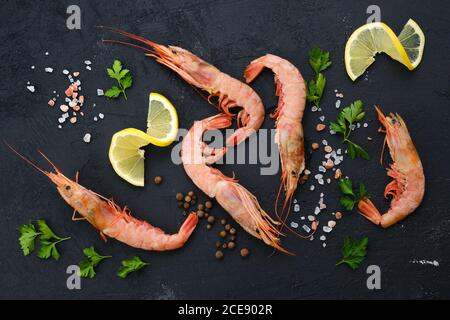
{"x": 228, "y": 34}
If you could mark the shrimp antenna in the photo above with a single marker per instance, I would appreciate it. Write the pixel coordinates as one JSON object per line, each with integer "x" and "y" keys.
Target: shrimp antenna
{"x": 25, "y": 158}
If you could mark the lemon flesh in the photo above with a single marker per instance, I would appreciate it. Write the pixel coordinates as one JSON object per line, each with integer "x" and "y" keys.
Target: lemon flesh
{"x": 413, "y": 41}
{"x": 162, "y": 120}
{"x": 366, "y": 42}
{"x": 127, "y": 157}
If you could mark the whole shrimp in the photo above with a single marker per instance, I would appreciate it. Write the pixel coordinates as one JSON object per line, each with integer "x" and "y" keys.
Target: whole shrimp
{"x": 233, "y": 197}
{"x": 408, "y": 187}
{"x": 290, "y": 88}
{"x": 110, "y": 219}
{"x": 199, "y": 73}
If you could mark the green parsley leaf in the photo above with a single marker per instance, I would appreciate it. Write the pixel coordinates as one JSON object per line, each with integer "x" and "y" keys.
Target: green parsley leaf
{"x": 123, "y": 78}
{"x": 127, "y": 81}
{"x": 353, "y": 252}
{"x": 347, "y": 202}
{"x": 93, "y": 259}
{"x": 131, "y": 265}
{"x": 346, "y": 118}
{"x": 319, "y": 60}
{"x": 348, "y": 199}
{"x": 113, "y": 92}
{"x": 48, "y": 241}
{"x": 28, "y": 234}
{"x": 315, "y": 88}
{"x": 346, "y": 187}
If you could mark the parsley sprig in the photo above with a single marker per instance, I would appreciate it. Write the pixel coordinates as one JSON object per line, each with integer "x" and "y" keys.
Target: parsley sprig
{"x": 131, "y": 265}
{"x": 353, "y": 252}
{"x": 47, "y": 240}
{"x": 348, "y": 198}
{"x": 123, "y": 77}
{"x": 346, "y": 119}
{"x": 93, "y": 259}
{"x": 319, "y": 61}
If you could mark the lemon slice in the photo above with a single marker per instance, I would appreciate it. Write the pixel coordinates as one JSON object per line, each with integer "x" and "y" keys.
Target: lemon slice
{"x": 413, "y": 41}
{"x": 126, "y": 155}
{"x": 368, "y": 40}
{"x": 162, "y": 120}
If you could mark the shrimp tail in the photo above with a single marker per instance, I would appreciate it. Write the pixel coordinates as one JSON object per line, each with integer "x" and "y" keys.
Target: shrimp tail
{"x": 368, "y": 210}
{"x": 253, "y": 70}
{"x": 188, "y": 226}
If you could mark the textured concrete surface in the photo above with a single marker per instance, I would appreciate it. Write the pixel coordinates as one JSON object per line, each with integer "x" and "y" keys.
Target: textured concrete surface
{"x": 229, "y": 34}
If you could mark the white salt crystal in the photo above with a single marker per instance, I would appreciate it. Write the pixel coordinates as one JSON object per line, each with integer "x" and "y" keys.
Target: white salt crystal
{"x": 65, "y": 71}
{"x": 311, "y": 218}
{"x": 296, "y": 207}
{"x": 316, "y": 211}
{"x": 294, "y": 225}
{"x": 323, "y": 238}
{"x": 87, "y": 138}
{"x": 338, "y": 104}
{"x": 88, "y": 68}
{"x": 326, "y": 229}
{"x": 100, "y": 92}
{"x": 31, "y": 88}
{"x": 312, "y": 187}
{"x": 306, "y": 228}
{"x": 101, "y": 115}
{"x": 48, "y": 69}
{"x": 87, "y": 62}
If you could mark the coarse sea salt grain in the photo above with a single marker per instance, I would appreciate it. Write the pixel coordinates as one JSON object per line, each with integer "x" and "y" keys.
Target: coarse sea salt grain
{"x": 61, "y": 120}
{"x": 296, "y": 207}
{"x": 326, "y": 229}
{"x": 32, "y": 67}
{"x": 323, "y": 238}
{"x": 316, "y": 211}
{"x": 31, "y": 88}
{"x": 65, "y": 71}
{"x": 87, "y": 138}
{"x": 95, "y": 119}
{"x": 87, "y": 62}
{"x": 59, "y": 126}
{"x": 338, "y": 104}
{"x": 46, "y": 53}
{"x": 88, "y": 68}
{"x": 311, "y": 218}
{"x": 48, "y": 69}
{"x": 312, "y": 187}
{"x": 294, "y": 225}
{"x": 100, "y": 92}
{"x": 306, "y": 228}
{"x": 322, "y": 169}
{"x": 101, "y": 115}
{"x": 314, "y": 109}
{"x": 322, "y": 118}
{"x": 324, "y": 142}
{"x": 302, "y": 218}
{"x": 324, "y": 244}
{"x": 365, "y": 125}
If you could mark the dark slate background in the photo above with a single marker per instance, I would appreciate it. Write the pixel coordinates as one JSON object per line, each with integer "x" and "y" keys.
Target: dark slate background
{"x": 229, "y": 34}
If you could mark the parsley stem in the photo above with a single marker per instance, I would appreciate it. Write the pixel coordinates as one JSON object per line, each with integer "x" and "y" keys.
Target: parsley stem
{"x": 123, "y": 90}
{"x": 62, "y": 239}
{"x": 340, "y": 262}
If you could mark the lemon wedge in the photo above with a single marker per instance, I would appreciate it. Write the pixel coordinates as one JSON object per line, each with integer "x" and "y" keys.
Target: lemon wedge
{"x": 413, "y": 41}
{"x": 126, "y": 155}
{"x": 162, "y": 120}
{"x": 372, "y": 38}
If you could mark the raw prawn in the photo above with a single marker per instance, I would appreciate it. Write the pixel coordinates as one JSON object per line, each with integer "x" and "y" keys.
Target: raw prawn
{"x": 408, "y": 187}
{"x": 233, "y": 197}
{"x": 290, "y": 88}
{"x": 199, "y": 73}
{"x": 111, "y": 220}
